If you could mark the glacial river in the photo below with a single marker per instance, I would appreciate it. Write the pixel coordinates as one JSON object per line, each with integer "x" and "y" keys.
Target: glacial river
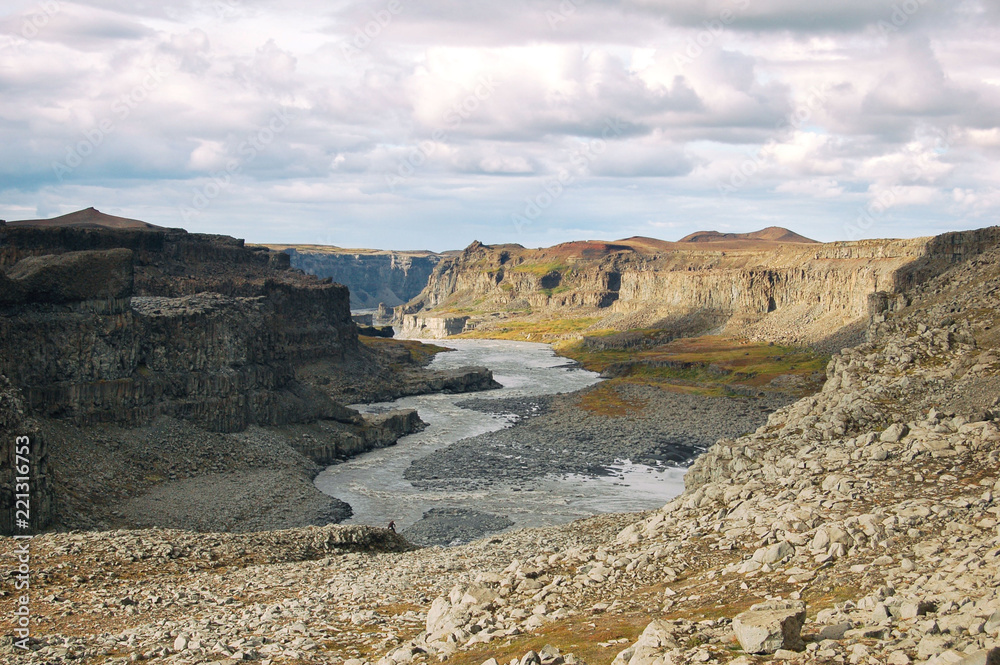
{"x": 374, "y": 486}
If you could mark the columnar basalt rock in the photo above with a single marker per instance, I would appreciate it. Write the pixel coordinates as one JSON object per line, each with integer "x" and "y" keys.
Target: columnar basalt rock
{"x": 790, "y": 292}
{"x": 22, "y": 446}
{"x": 84, "y": 349}
{"x": 373, "y": 277}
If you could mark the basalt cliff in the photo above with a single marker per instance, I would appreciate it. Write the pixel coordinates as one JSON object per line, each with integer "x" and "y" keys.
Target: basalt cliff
{"x": 373, "y": 277}
{"x": 117, "y": 335}
{"x": 772, "y": 285}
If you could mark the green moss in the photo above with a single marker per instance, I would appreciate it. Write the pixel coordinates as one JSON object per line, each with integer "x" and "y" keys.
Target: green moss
{"x": 545, "y": 330}
{"x": 708, "y": 363}
{"x": 542, "y": 269}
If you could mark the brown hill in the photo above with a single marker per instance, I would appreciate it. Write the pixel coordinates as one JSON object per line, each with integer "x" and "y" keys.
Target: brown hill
{"x": 770, "y": 234}
{"x": 91, "y": 218}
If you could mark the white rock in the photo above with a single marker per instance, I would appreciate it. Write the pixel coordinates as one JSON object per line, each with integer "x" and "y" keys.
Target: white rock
{"x": 767, "y": 627}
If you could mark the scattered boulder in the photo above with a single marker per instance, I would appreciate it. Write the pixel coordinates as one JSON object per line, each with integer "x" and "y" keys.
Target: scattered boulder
{"x": 767, "y": 627}
{"x": 893, "y": 433}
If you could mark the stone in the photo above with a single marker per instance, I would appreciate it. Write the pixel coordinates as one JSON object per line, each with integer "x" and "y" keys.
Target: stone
{"x": 530, "y": 658}
{"x": 898, "y": 658}
{"x": 835, "y": 631}
{"x": 893, "y": 433}
{"x": 993, "y": 623}
{"x": 948, "y": 657}
{"x": 985, "y": 657}
{"x": 931, "y": 645}
{"x": 913, "y": 609}
{"x": 774, "y": 553}
{"x": 767, "y": 627}
{"x": 653, "y": 646}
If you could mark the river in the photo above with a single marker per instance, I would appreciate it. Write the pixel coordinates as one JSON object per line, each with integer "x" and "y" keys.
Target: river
{"x": 374, "y": 486}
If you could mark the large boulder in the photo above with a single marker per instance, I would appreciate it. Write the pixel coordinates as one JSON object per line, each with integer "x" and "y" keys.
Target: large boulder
{"x": 656, "y": 646}
{"x": 767, "y": 627}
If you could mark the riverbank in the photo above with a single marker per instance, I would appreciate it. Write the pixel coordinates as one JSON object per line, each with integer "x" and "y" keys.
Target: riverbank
{"x": 587, "y": 433}
{"x": 550, "y": 447}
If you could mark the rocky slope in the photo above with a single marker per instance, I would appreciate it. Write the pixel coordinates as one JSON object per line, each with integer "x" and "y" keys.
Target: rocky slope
{"x": 373, "y": 277}
{"x": 864, "y": 518}
{"x": 797, "y": 293}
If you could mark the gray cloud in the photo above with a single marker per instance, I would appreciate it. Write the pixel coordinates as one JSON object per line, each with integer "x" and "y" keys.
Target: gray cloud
{"x": 812, "y": 109}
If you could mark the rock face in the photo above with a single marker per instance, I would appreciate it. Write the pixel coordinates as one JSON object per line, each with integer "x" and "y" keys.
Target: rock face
{"x": 82, "y": 348}
{"x": 373, "y": 277}
{"x": 434, "y": 327}
{"x": 122, "y": 323}
{"x": 794, "y": 292}
{"x": 20, "y": 432}
{"x": 379, "y": 431}
{"x": 770, "y": 626}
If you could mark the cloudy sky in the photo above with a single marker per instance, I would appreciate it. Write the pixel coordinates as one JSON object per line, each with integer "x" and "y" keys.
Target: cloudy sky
{"x": 430, "y": 123}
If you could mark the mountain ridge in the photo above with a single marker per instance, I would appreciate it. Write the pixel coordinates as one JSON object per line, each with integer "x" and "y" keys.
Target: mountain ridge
{"x": 89, "y": 218}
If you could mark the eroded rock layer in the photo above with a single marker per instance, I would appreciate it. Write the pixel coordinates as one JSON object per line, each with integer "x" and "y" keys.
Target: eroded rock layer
{"x": 793, "y": 292}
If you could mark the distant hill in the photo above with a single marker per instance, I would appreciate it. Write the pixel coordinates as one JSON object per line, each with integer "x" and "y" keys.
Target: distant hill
{"x": 770, "y": 234}
{"x": 91, "y": 218}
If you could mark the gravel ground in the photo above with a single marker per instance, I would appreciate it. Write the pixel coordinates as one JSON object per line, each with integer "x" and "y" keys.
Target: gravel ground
{"x": 454, "y": 526}
{"x": 172, "y": 474}
{"x": 554, "y": 435}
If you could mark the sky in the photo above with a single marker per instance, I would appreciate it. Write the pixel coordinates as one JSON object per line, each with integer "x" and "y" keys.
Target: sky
{"x": 427, "y": 124}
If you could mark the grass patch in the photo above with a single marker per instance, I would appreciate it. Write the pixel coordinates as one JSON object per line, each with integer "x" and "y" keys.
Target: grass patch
{"x": 604, "y": 400}
{"x": 545, "y": 330}
{"x": 581, "y": 636}
{"x": 542, "y": 269}
{"x": 707, "y": 363}
{"x": 562, "y": 288}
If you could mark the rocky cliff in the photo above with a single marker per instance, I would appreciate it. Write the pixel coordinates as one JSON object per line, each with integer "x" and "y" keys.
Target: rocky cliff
{"x": 795, "y": 292}
{"x": 105, "y": 320}
{"x": 373, "y": 277}
{"x": 112, "y": 335}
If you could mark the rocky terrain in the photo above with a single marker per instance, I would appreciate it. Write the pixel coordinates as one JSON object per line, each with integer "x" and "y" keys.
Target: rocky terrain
{"x": 858, "y": 525}
{"x": 374, "y": 277}
{"x": 773, "y": 286}
{"x": 107, "y": 323}
{"x": 557, "y": 435}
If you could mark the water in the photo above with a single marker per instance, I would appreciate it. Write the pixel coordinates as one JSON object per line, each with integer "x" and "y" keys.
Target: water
{"x": 374, "y": 486}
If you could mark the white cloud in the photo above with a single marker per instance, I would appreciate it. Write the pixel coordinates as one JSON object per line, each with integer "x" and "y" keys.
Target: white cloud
{"x": 807, "y": 106}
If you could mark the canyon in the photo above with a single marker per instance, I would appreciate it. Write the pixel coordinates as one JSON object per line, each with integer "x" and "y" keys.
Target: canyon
{"x": 374, "y": 277}
{"x": 771, "y": 286}
{"x": 110, "y": 322}
{"x": 181, "y": 391}
{"x": 859, "y": 524}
